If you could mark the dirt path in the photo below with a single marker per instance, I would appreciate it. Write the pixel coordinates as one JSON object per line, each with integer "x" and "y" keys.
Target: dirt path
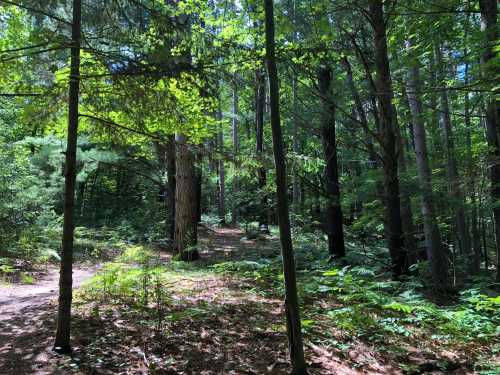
{"x": 27, "y": 322}
{"x": 16, "y": 297}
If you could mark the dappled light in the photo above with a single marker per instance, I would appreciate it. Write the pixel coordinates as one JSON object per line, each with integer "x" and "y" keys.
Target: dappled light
{"x": 249, "y": 187}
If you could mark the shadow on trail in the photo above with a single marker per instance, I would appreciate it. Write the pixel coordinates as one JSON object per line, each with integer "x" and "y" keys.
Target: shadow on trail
{"x": 26, "y": 340}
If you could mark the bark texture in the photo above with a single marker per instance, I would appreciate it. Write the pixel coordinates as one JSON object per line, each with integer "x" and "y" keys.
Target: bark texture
{"x": 454, "y": 185}
{"x": 186, "y": 233}
{"x": 259, "y": 134}
{"x": 62, "y": 341}
{"x": 334, "y": 218}
{"x": 488, "y": 25}
{"x": 291, "y": 298}
{"x": 236, "y": 148}
{"x": 435, "y": 251}
{"x": 170, "y": 201}
{"x": 222, "y": 171}
{"x": 393, "y": 224}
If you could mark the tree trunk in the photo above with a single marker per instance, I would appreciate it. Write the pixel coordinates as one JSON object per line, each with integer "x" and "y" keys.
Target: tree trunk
{"x": 222, "y": 171}
{"x": 259, "y": 127}
{"x": 435, "y": 251}
{"x": 198, "y": 170}
{"x": 373, "y": 159}
{"x": 291, "y": 298}
{"x": 170, "y": 166}
{"x": 62, "y": 341}
{"x": 406, "y": 211}
{"x": 452, "y": 169}
{"x": 393, "y": 224}
{"x": 488, "y": 26}
{"x": 334, "y": 218}
{"x": 296, "y": 192}
{"x": 372, "y": 155}
{"x": 186, "y": 233}
{"x": 475, "y": 262}
{"x": 236, "y": 148}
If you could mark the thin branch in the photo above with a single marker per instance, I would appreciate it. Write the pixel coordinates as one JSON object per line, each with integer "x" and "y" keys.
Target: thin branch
{"x": 34, "y": 10}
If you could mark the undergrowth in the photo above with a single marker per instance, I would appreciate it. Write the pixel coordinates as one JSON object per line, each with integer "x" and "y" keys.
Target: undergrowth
{"x": 340, "y": 303}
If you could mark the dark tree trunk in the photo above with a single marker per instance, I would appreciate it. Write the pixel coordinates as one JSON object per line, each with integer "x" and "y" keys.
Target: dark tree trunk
{"x": 62, "y": 342}
{"x": 170, "y": 166}
{"x": 334, "y": 218}
{"x": 474, "y": 263}
{"x": 259, "y": 131}
{"x": 393, "y": 224}
{"x": 406, "y": 211}
{"x": 186, "y": 233}
{"x": 489, "y": 25}
{"x": 291, "y": 298}
{"x": 296, "y": 191}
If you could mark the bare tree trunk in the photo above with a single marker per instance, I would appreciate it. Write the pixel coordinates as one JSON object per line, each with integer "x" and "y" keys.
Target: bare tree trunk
{"x": 236, "y": 150}
{"x": 222, "y": 171}
{"x": 452, "y": 169}
{"x": 296, "y": 192}
{"x": 435, "y": 251}
{"x": 62, "y": 341}
{"x": 170, "y": 166}
{"x": 393, "y": 224}
{"x": 259, "y": 125}
{"x": 198, "y": 182}
{"x": 291, "y": 298}
{"x": 334, "y": 218}
{"x": 488, "y": 26}
{"x": 475, "y": 262}
{"x": 406, "y": 211}
{"x": 186, "y": 233}
{"x": 211, "y": 146}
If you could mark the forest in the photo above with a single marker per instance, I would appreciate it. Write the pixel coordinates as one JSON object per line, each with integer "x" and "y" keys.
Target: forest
{"x": 249, "y": 187}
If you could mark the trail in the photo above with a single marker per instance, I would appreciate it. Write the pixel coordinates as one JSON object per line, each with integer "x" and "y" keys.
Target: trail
{"x": 14, "y": 298}
{"x": 27, "y": 321}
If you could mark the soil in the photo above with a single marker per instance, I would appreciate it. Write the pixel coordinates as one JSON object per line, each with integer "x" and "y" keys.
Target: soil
{"x": 27, "y": 321}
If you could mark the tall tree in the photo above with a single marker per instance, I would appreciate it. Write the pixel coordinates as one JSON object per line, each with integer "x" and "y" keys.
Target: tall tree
{"x": 489, "y": 27}
{"x": 296, "y": 192}
{"x": 236, "y": 148}
{"x": 452, "y": 167}
{"x": 291, "y": 297}
{"x": 406, "y": 210}
{"x": 394, "y": 230}
{"x": 62, "y": 342}
{"x": 435, "y": 251}
{"x": 170, "y": 167}
{"x": 334, "y": 218}
{"x": 260, "y": 102}
{"x": 221, "y": 169}
{"x": 186, "y": 212}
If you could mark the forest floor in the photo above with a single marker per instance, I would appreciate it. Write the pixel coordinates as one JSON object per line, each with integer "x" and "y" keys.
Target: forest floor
{"x": 199, "y": 321}
{"x": 27, "y": 314}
